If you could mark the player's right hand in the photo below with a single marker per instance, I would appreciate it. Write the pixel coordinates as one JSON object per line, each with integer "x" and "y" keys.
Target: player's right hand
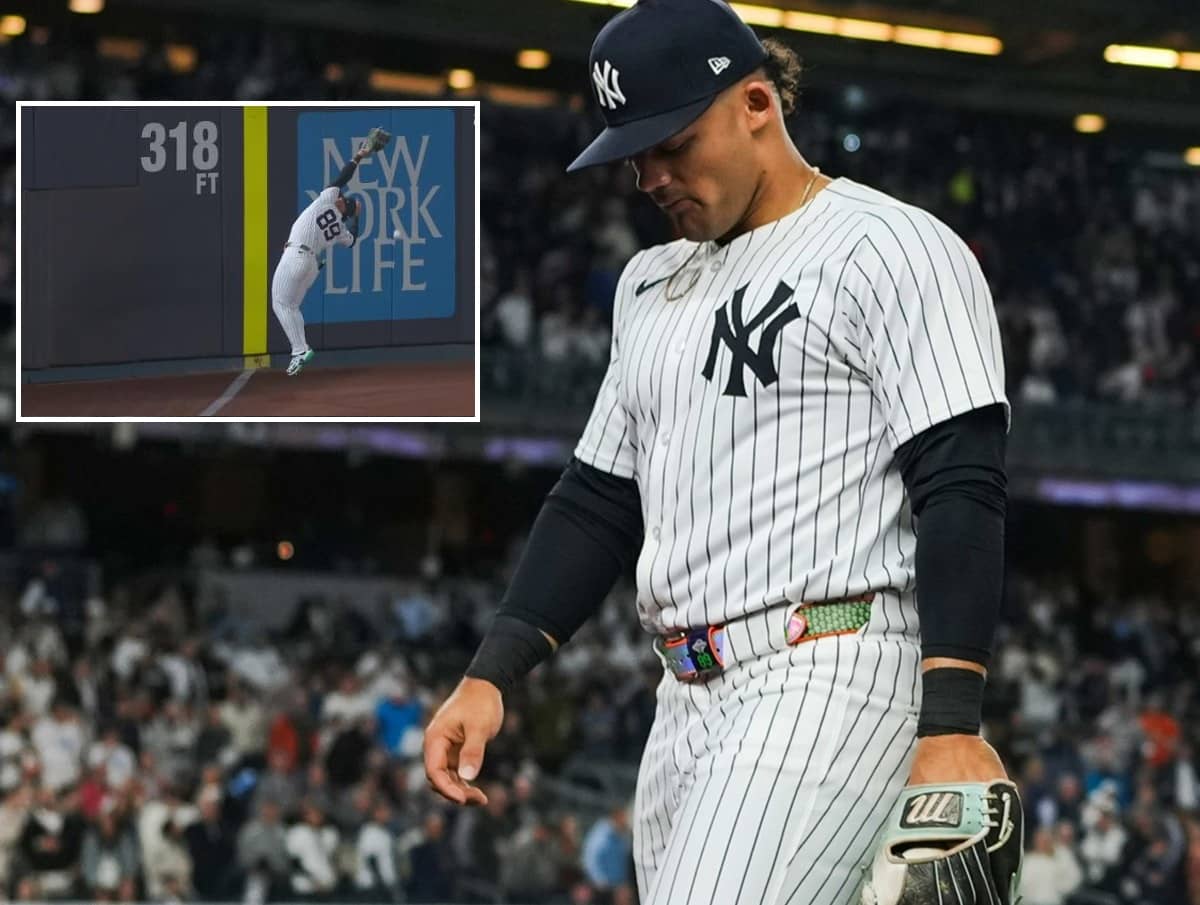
{"x": 456, "y": 736}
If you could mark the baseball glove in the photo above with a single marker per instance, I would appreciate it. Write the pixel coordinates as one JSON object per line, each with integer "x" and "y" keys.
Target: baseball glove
{"x": 377, "y": 140}
{"x": 953, "y": 844}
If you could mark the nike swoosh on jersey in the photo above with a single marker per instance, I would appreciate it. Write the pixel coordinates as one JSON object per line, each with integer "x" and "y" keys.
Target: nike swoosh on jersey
{"x": 643, "y": 286}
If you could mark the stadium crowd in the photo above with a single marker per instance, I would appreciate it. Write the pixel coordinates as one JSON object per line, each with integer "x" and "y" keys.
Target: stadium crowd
{"x": 1087, "y": 245}
{"x": 146, "y": 753}
{"x": 152, "y": 747}
{"x": 1087, "y": 241}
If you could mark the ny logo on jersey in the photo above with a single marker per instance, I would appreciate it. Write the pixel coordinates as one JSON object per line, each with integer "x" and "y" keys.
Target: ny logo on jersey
{"x": 729, "y": 329}
{"x": 608, "y": 85}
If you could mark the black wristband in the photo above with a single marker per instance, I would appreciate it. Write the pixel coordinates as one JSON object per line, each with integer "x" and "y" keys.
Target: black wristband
{"x": 951, "y": 702}
{"x": 508, "y": 652}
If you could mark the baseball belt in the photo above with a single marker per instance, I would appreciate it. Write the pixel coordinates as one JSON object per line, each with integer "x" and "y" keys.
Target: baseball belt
{"x": 696, "y": 655}
{"x": 300, "y": 246}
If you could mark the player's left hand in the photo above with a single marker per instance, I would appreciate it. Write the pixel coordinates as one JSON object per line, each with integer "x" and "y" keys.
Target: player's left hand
{"x": 955, "y": 758}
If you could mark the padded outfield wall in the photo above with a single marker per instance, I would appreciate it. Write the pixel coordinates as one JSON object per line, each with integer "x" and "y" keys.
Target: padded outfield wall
{"x": 150, "y": 233}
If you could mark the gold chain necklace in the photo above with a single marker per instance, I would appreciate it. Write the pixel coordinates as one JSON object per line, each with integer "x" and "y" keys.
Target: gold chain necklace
{"x": 674, "y": 294}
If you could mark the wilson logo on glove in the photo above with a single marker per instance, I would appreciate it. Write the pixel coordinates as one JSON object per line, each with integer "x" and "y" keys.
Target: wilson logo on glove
{"x": 937, "y": 809}
{"x": 952, "y": 844}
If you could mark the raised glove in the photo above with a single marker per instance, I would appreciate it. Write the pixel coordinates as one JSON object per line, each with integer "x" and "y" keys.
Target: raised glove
{"x": 952, "y": 844}
{"x": 377, "y": 139}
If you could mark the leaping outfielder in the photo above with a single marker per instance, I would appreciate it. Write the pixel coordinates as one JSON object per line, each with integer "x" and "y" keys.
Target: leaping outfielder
{"x": 332, "y": 219}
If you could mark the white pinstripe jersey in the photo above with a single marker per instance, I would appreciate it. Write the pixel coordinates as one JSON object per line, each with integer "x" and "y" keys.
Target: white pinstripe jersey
{"x": 760, "y": 412}
{"x": 320, "y": 225}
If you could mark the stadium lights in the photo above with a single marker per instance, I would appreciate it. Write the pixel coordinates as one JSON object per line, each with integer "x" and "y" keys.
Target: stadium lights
{"x": 759, "y": 15}
{"x": 1089, "y": 123}
{"x": 968, "y": 43}
{"x": 12, "y": 26}
{"x": 181, "y": 58}
{"x": 519, "y": 96}
{"x": 811, "y": 22}
{"x": 864, "y": 29}
{"x": 387, "y": 81}
{"x": 127, "y": 50}
{"x": 89, "y": 7}
{"x": 1192, "y": 156}
{"x": 857, "y": 29}
{"x": 533, "y": 59}
{"x": 460, "y": 79}
{"x": 919, "y": 37}
{"x": 1133, "y": 55}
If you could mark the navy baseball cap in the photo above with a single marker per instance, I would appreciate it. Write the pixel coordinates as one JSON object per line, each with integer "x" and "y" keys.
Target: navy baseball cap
{"x": 657, "y": 66}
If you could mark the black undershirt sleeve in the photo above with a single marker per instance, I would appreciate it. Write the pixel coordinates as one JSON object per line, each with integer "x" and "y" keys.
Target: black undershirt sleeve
{"x": 587, "y": 533}
{"x": 344, "y": 175}
{"x": 954, "y": 473}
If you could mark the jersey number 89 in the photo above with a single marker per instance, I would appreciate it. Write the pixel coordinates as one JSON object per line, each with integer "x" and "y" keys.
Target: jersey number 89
{"x": 328, "y": 221}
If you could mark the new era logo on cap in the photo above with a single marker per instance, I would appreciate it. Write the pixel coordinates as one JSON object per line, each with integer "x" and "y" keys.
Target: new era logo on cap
{"x": 649, "y": 80}
{"x": 608, "y": 85}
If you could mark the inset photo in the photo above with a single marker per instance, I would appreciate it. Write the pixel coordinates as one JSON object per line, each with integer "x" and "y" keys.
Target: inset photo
{"x": 247, "y": 262}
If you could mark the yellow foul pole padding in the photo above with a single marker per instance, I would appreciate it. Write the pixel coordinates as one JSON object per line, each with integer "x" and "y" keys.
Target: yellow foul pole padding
{"x": 255, "y": 289}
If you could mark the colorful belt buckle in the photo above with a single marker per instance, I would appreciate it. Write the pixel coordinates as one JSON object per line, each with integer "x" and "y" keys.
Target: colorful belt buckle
{"x": 695, "y": 655}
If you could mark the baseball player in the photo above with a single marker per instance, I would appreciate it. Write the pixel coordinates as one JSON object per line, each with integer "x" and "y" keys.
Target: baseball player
{"x": 800, "y": 443}
{"x": 331, "y": 219}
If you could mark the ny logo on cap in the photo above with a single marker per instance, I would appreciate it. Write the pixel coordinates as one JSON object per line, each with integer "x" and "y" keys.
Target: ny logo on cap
{"x": 608, "y": 85}
{"x": 718, "y": 64}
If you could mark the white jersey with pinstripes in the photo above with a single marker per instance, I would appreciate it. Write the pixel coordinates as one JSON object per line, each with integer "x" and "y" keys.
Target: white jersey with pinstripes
{"x": 320, "y": 224}
{"x": 760, "y": 412}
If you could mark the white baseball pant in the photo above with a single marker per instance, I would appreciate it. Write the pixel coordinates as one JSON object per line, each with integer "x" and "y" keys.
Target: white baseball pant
{"x": 295, "y": 274}
{"x": 768, "y": 784}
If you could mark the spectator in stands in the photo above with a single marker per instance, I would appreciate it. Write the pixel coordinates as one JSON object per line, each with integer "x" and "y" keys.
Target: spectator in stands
{"x": 262, "y": 854}
{"x": 598, "y": 725}
{"x": 279, "y": 784}
{"x": 349, "y": 703}
{"x": 526, "y": 873}
{"x": 346, "y": 757}
{"x": 1067, "y": 800}
{"x": 478, "y": 836}
{"x": 214, "y": 741}
{"x": 167, "y": 868}
{"x": 1184, "y": 780}
{"x": 246, "y": 721}
{"x": 59, "y": 739}
{"x": 1043, "y": 881}
{"x": 311, "y": 845}
{"x": 110, "y": 860}
{"x": 607, "y": 850}
{"x": 113, "y": 757}
{"x": 429, "y": 865}
{"x": 14, "y": 809}
{"x": 49, "y": 848}
{"x": 375, "y": 875}
{"x": 213, "y": 852}
{"x": 170, "y": 738}
{"x": 512, "y": 317}
{"x": 1069, "y": 869}
{"x": 398, "y": 713}
{"x": 37, "y": 688}
{"x": 1103, "y": 846}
